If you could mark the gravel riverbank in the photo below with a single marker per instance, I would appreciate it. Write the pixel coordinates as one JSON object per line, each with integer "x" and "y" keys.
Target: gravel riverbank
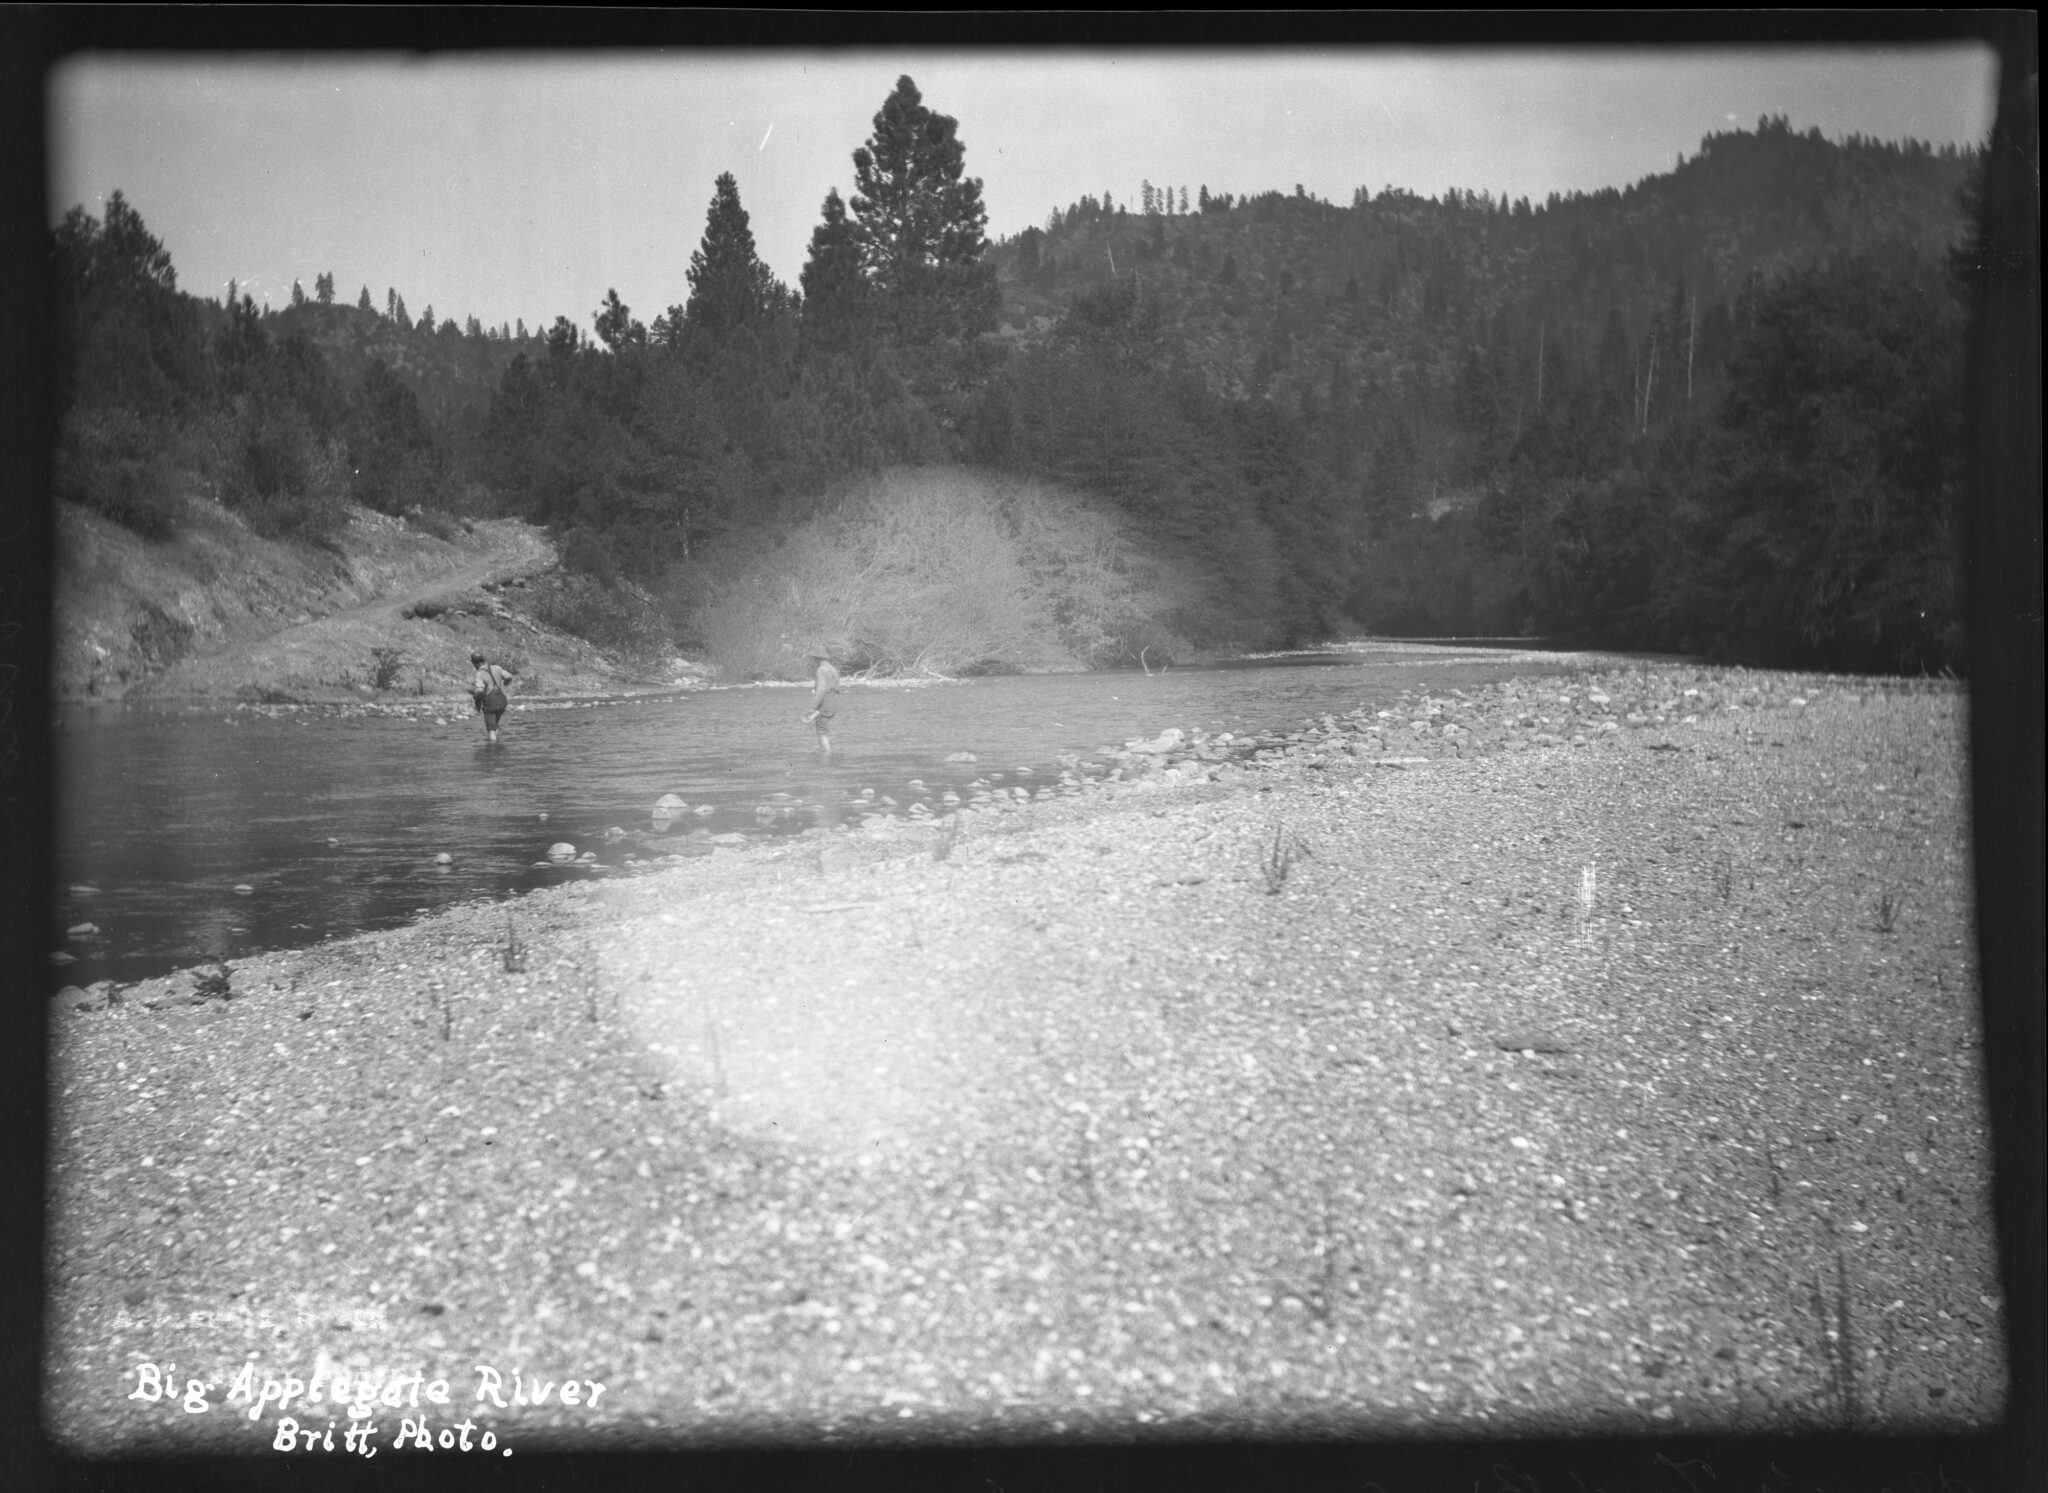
{"x": 1584, "y": 1055}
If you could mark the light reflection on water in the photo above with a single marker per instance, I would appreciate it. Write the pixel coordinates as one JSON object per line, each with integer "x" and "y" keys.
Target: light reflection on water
{"x": 333, "y": 822}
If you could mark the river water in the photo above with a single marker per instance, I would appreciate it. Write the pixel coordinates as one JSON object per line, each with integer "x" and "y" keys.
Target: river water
{"x": 187, "y": 833}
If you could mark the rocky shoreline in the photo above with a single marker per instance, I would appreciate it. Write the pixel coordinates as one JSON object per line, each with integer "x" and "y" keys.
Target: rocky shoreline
{"x": 1584, "y": 1054}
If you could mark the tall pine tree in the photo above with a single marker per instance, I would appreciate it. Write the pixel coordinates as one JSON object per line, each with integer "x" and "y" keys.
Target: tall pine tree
{"x": 835, "y": 293}
{"x": 921, "y": 223}
{"x": 729, "y": 285}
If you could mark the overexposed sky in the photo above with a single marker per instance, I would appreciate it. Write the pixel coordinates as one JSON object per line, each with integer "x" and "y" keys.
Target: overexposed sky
{"x": 522, "y": 186}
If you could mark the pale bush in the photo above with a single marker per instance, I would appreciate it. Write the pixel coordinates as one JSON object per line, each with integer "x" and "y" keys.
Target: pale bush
{"x": 931, "y": 571}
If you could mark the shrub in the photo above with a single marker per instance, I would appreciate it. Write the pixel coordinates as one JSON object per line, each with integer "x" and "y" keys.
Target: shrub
{"x": 390, "y": 661}
{"x": 112, "y": 461}
{"x": 619, "y": 618}
{"x": 316, "y": 513}
{"x": 586, "y": 553}
{"x": 932, "y": 570}
{"x": 433, "y": 521}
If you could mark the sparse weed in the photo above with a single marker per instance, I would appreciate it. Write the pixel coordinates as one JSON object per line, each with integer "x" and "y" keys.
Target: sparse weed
{"x": 389, "y": 662}
{"x": 1724, "y": 877}
{"x": 1277, "y": 858}
{"x": 1887, "y": 911}
{"x": 1838, "y": 1331}
{"x": 440, "y": 999}
{"x": 949, "y": 836}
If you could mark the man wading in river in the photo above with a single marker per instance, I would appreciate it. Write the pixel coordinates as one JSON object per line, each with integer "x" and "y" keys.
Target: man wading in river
{"x": 488, "y": 690}
{"x": 825, "y": 703}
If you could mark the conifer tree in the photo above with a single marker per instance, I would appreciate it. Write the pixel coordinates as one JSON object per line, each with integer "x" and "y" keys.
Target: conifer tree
{"x": 323, "y": 288}
{"x": 363, "y": 302}
{"x": 298, "y": 294}
{"x": 834, "y": 291}
{"x": 729, "y": 285}
{"x": 921, "y": 223}
{"x": 616, "y": 327}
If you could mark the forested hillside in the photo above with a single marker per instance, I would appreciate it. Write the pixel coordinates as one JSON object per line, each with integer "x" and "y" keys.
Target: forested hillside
{"x": 1715, "y": 411}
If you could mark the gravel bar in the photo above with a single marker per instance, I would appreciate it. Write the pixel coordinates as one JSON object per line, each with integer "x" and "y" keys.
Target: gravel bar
{"x": 1591, "y": 1055}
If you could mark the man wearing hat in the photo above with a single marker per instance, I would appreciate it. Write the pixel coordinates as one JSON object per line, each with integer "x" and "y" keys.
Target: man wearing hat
{"x": 825, "y": 701}
{"x": 488, "y": 690}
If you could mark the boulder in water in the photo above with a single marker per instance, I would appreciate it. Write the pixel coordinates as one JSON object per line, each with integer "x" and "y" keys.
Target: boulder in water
{"x": 669, "y": 802}
{"x": 961, "y": 757}
{"x": 561, "y": 851}
{"x": 1164, "y": 742}
{"x": 444, "y": 859}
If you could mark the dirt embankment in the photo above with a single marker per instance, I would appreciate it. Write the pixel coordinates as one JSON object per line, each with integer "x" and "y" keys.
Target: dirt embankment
{"x": 221, "y": 613}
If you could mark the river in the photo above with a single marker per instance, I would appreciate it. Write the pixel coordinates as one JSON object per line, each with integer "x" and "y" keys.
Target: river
{"x": 188, "y": 833}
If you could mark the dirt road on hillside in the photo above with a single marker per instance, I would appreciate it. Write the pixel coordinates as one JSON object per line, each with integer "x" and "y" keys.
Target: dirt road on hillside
{"x": 339, "y": 654}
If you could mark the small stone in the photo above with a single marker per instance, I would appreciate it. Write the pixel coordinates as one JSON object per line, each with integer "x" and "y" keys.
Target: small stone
{"x": 444, "y": 859}
{"x": 81, "y": 930}
{"x": 243, "y": 889}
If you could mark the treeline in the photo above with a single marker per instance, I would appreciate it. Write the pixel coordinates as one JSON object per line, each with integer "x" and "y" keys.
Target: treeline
{"x": 1541, "y": 418}
{"x": 1800, "y": 507}
{"x": 1718, "y": 412}
{"x": 163, "y": 398}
